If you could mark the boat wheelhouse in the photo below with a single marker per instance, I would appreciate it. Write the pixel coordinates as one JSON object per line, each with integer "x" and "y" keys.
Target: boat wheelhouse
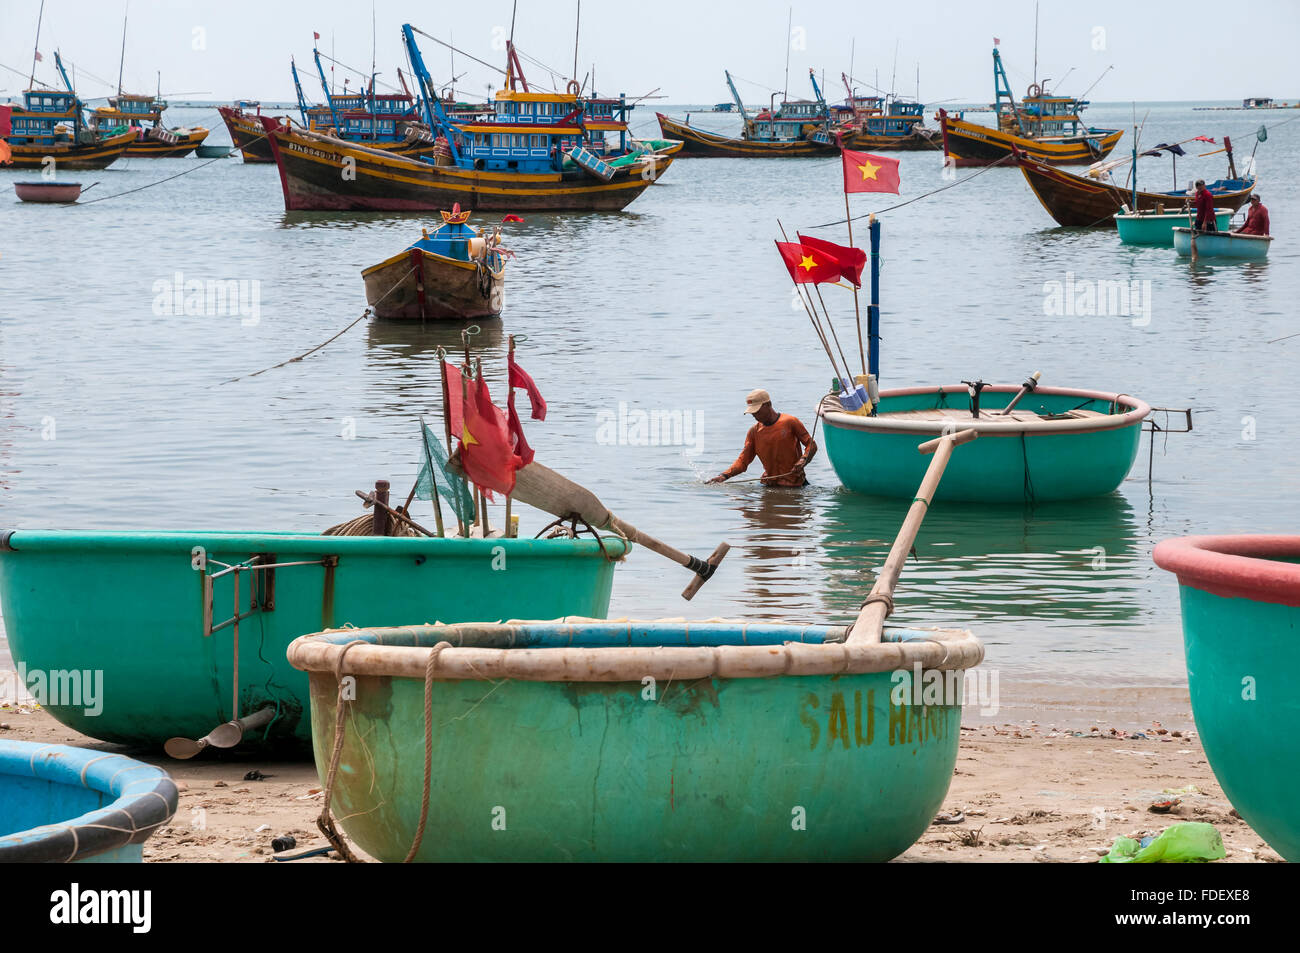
{"x": 143, "y": 115}
{"x": 50, "y": 125}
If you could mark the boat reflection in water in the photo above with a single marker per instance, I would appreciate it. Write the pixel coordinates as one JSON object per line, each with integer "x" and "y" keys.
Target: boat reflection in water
{"x": 1057, "y": 565}
{"x": 778, "y": 545}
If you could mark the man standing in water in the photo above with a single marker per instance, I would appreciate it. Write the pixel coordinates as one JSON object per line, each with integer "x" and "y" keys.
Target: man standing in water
{"x": 780, "y": 441}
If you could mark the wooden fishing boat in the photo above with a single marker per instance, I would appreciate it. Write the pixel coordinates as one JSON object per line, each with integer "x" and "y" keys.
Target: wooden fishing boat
{"x": 48, "y": 191}
{"x": 1196, "y": 244}
{"x": 797, "y": 128}
{"x": 1057, "y": 444}
{"x": 311, "y": 164}
{"x": 1078, "y": 200}
{"x": 247, "y": 133}
{"x": 155, "y": 612}
{"x": 882, "y": 123}
{"x": 49, "y": 126}
{"x": 696, "y": 143}
{"x": 689, "y": 741}
{"x": 1157, "y": 228}
{"x": 1240, "y": 599}
{"x": 455, "y": 273}
{"x": 61, "y": 804}
{"x": 142, "y": 114}
{"x": 1045, "y": 127}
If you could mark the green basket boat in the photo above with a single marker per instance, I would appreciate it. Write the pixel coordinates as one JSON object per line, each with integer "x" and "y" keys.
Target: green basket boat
{"x": 1193, "y": 244}
{"x": 145, "y": 621}
{"x": 1157, "y": 228}
{"x": 1240, "y": 598}
{"x": 1057, "y": 443}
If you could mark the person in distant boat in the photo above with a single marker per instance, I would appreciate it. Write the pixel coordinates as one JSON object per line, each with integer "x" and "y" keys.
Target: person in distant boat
{"x": 780, "y": 441}
{"x": 1256, "y": 219}
{"x": 1204, "y": 208}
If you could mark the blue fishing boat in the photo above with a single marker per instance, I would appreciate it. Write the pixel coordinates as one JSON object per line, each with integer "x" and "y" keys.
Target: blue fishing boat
{"x": 880, "y": 123}
{"x": 50, "y": 125}
{"x": 455, "y": 272}
{"x": 1189, "y": 242}
{"x": 798, "y": 127}
{"x": 537, "y": 152}
{"x": 64, "y": 804}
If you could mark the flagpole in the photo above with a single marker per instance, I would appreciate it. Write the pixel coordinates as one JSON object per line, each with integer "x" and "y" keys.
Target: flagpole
{"x": 821, "y": 335}
{"x": 446, "y": 424}
{"x": 873, "y": 309}
{"x": 812, "y": 311}
{"x": 510, "y": 387}
{"x": 857, "y": 310}
{"x": 482, "y": 493}
{"x": 433, "y": 482}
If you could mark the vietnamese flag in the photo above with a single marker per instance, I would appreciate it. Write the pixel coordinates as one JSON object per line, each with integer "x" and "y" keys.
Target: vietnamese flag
{"x": 486, "y": 453}
{"x": 864, "y": 172}
{"x": 455, "y": 399}
{"x": 849, "y": 260}
{"x": 808, "y": 266}
{"x": 523, "y": 452}
{"x": 519, "y": 377}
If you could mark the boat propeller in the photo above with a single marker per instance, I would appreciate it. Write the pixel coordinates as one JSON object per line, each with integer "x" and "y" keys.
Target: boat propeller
{"x": 223, "y": 736}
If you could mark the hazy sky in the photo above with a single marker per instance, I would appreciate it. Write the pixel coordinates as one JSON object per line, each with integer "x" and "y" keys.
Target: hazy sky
{"x": 1176, "y": 50}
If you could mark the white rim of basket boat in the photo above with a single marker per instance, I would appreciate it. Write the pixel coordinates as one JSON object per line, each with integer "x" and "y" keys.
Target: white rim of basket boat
{"x": 1213, "y": 235}
{"x": 942, "y": 649}
{"x": 989, "y": 424}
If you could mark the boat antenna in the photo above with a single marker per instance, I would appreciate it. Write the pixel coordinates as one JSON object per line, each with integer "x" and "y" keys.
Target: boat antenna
{"x": 513, "y": 10}
{"x": 577, "y": 22}
{"x": 1063, "y": 79}
{"x": 122, "y": 59}
{"x": 452, "y": 38}
{"x": 1085, "y": 93}
{"x": 853, "y": 45}
{"x": 789, "y": 26}
{"x": 894, "y": 75}
{"x": 35, "y": 49}
{"x": 1035, "y": 42}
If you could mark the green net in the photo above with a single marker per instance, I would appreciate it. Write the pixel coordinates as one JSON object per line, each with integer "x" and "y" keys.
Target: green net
{"x": 436, "y": 476}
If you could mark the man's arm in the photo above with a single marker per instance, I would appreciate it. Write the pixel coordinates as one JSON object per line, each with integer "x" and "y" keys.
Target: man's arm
{"x": 809, "y": 447}
{"x": 742, "y": 462}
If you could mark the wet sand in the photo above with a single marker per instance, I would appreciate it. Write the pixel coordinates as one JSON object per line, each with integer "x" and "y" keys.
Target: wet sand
{"x": 1032, "y": 791}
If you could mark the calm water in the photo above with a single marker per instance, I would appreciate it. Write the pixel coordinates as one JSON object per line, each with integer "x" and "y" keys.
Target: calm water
{"x": 679, "y": 304}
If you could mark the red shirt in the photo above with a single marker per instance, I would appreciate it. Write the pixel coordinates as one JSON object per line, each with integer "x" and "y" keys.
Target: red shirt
{"x": 1204, "y": 208}
{"x": 1256, "y": 221}
{"x": 779, "y": 445}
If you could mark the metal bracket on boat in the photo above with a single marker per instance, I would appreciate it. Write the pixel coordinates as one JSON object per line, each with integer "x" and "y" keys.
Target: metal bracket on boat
{"x": 1152, "y": 427}
{"x": 262, "y": 591}
{"x": 573, "y": 519}
{"x": 974, "y": 388}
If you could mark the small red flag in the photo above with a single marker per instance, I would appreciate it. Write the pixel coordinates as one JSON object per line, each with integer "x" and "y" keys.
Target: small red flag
{"x": 511, "y": 218}
{"x": 1204, "y": 139}
{"x": 523, "y": 452}
{"x": 850, "y": 260}
{"x": 519, "y": 377}
{"x": 39, "y": 58}
{"x": 864, "y": 172}
{"x": 486, "y": 451}
{"x": 808, "y": 266}
{"x": 315, "y": 35}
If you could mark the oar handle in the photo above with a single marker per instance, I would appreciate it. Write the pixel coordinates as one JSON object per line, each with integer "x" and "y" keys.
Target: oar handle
{"x": 1028, "y": 386}
{"x": 703, "y": 568}
{"x": 705, "y": 572}
{"x": 880, "y": 603}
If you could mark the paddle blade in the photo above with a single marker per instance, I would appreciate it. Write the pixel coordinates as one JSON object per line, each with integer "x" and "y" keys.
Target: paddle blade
{"x": 182, "y": 749}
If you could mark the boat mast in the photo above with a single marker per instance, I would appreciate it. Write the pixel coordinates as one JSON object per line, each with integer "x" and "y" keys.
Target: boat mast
{"x": 577, "y": 22}
{"x": 1035, "y": 42}
{"x": 36, "y": 47}
{"x": 789, "y": 26}
{"x": 121, "y": 62}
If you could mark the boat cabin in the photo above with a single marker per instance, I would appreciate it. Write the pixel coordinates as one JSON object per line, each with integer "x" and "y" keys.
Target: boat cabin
{"x": 126, "y": 110}
{"x": 47, "y": 116}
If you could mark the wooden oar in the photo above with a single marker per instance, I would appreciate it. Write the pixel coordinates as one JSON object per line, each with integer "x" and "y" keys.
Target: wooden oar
{"x": 880, "y": 603}
{"x": 1025, "y": 388}
{"x": 547, "y": 490}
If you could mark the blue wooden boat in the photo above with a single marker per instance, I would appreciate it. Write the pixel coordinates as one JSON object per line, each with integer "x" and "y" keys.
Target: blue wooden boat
{"x": 1240, "y": 599}
{"x": 454, "y": 272}
{"x": 64, "y": 804}
{"x": 1194, "y": 244}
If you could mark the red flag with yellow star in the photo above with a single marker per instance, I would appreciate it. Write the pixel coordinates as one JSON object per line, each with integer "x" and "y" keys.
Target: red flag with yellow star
{"x": 864, "y": 172}
{"x": 848, "y": 259}
{"x": 808, "y": 266}
{"x": 486, "y": 453}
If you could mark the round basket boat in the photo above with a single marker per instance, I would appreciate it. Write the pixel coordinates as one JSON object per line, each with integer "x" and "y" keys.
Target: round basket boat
{"x": 59, "y": 803}
{"x": 48, "y": 191}
{"x": 1057, "y": 443}
{"x": 1240, "y": 598}
{"x": 636, "y": 741}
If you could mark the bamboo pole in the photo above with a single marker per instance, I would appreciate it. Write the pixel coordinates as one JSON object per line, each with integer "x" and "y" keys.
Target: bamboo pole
{"x": 879, "y": 604}
{"x": 446, "y": 424}
{"x": 510, "y": 387}
{"x": 857, "y": 310}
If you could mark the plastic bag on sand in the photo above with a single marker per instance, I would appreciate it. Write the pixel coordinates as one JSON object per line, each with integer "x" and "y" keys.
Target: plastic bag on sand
{"x": 1186, "y": 843}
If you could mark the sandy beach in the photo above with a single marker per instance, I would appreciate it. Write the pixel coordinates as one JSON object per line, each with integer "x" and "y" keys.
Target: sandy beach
{"x": 1033, "y": 791}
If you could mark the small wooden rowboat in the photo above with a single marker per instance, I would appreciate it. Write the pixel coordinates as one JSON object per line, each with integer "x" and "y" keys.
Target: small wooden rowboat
{"x": 1157, "y": 228}
{"x": 1057, "y": 444}
{"x": 454, "y": 273}
{"x": 163, "y": 631}
{"x": 48, "y": 191}
{"x": 1189, "y": 242}
{"x": 578, "y": 739}
{"x": 1240, "y": 598}
{"x": 64, "y": 804}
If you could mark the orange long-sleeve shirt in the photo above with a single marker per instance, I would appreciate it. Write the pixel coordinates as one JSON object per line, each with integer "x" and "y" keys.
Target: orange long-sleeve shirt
{"x": 779, "y": 446}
